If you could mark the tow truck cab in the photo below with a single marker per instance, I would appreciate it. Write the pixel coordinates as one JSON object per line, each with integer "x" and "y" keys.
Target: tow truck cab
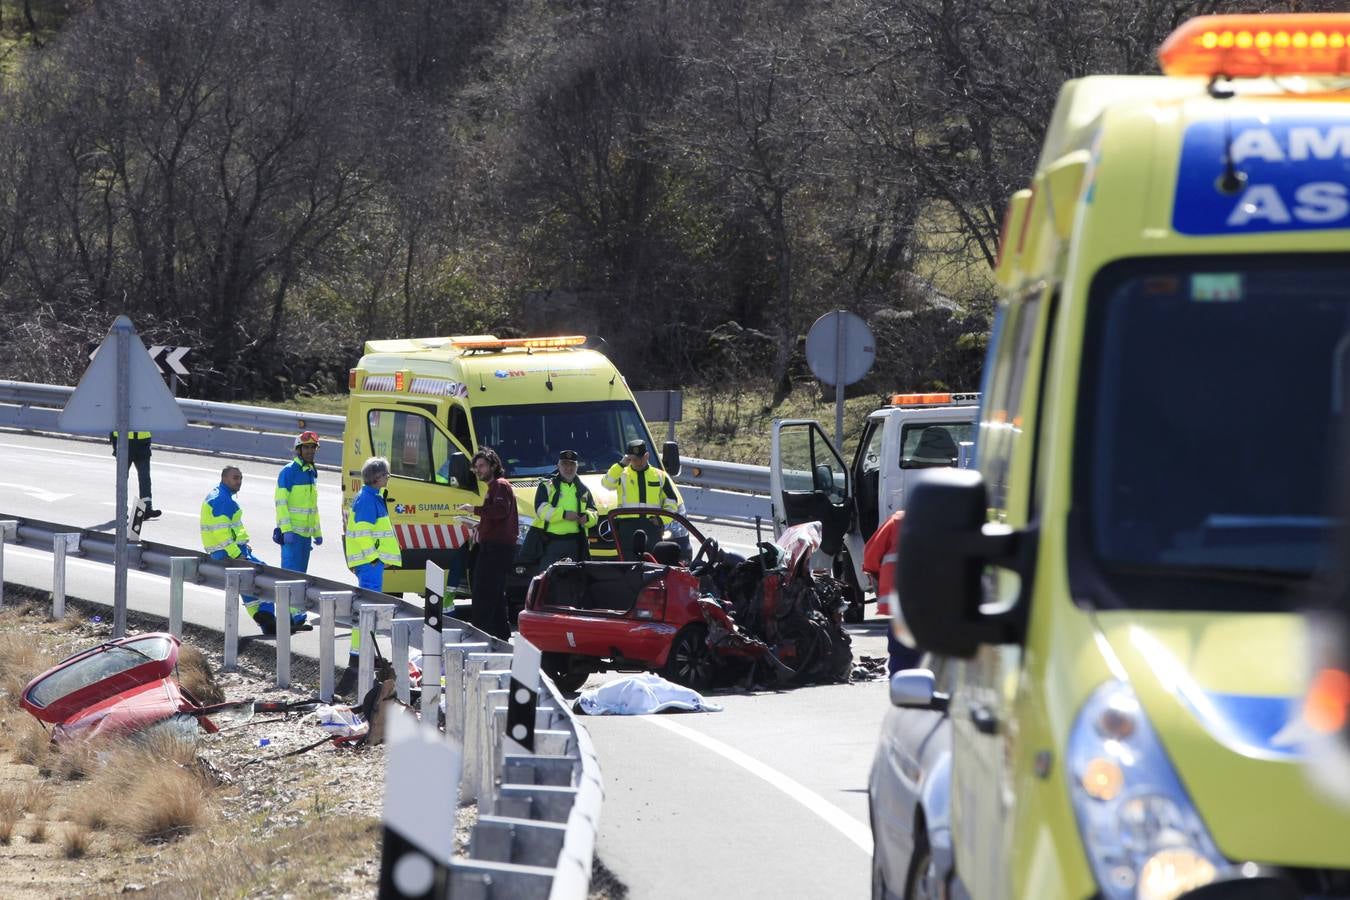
{"x": 809, "y": 481}
{"x": 428, "y": 404}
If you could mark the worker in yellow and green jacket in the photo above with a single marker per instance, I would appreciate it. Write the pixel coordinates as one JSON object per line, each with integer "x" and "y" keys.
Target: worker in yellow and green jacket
{"x": 225, "y": 538}
{"x": 370, "y": 544}
{"x": 297, "y": 502}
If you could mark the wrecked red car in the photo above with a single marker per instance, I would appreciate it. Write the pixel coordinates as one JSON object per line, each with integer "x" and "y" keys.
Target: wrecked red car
{"x": 713, "y": 618}
{"x": 116, "y": 688}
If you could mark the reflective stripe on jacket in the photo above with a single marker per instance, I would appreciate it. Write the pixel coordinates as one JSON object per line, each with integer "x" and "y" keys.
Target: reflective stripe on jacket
{"x": 370, "y": 534}
{"x": 554, "y": 497}
{"x": 879, "y": 556}
{"x": 628, "y": 484}
{"x": 297, "y": 499}
{"x": 223, "y": 523}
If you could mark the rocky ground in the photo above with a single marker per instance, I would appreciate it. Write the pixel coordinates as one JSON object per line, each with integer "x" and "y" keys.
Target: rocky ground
{"x": 265, "y": 824}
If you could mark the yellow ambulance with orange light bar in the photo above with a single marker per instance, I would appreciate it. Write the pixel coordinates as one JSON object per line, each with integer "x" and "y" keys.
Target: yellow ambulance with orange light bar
{"x": 428, "y": 404}
{"x": 1116, "y": 588}
{"x": 809, "y": 480}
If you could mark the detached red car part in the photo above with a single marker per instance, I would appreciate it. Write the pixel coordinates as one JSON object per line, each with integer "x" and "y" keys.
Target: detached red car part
{"x": 117, "y": 688}
{"x": 692, "y": 621}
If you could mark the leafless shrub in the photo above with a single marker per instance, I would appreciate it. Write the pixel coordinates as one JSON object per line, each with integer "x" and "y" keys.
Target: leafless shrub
{"x": 75, "y": 841}
{"x": 195, "y": 676}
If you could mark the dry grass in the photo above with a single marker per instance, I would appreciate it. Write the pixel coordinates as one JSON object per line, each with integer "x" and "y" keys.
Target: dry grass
{"x": 76, "y": 760}
{"x": 158, "y": 797}
{"x": 195, "y": 676}
{"x": 10, "y": 810}
{"x": 38, "y": 833}
{"x": 93, "y": 812}
{"x": 21, "y": 658}
{"x": 36, "y": 798}
{"x": 75, "y": 841}
{"x": 32, "y": 744}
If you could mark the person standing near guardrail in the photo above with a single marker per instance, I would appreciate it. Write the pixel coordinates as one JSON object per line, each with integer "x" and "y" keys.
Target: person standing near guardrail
{"x": 370, "y": 545}
{"x": 297, "y": 502}
{"x": 565, "y": 510}
{"x": 138, "y": 454}
{"x": 636, "y": 482}
{"x": 498, "y": 528}
{"x": 225, "y": 538}
{"x": 880, "y": 558}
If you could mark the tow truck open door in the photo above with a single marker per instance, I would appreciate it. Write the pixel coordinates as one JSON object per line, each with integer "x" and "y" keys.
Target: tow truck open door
{"x": 809, "y": 482}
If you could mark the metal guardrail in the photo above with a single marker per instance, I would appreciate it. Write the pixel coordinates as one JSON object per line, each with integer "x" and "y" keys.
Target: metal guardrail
{"x": 538, "y": 812}
{"x": 726, "y": 490}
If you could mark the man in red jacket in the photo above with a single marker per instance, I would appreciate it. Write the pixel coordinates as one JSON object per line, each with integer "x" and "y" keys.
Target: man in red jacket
{"x": 498, "y": 527}
{"x": 879, "y": 559}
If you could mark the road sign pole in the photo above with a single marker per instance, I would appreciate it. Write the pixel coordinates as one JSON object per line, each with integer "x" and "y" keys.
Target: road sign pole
{"x": 122, "y": 329}
{"x": 840, "y": 375}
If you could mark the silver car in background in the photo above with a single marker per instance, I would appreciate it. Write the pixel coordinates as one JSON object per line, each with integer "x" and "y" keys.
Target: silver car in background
{"x": 908, "y": 790}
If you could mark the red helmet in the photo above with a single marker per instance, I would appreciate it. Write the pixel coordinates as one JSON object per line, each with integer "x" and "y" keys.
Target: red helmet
{"x": 307, "y": 437}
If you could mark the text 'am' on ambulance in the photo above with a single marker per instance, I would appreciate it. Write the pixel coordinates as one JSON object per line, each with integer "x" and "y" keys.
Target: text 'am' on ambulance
{"x": 428, "y": 404}
{"x": 1119, "y": 579}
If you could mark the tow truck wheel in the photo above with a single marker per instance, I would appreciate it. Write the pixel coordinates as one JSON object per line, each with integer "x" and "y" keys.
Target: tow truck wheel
{"x": 559, "y": 667}
{"x": 691, "y": 662}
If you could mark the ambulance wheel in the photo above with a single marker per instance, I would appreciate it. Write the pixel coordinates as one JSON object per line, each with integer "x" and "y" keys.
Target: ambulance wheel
{"x": 690, "y": 661}
{"x": 565, "y": 675}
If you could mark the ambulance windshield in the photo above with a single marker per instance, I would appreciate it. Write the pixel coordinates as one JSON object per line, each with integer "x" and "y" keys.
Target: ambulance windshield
{"x": 529, "y": 437}
{"x": 1210, "y": 416}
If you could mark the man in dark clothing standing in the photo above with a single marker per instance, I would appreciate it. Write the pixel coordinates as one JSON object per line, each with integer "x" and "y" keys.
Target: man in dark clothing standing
{"x": 138, "y": 454}
{"x": 498, "y": 527}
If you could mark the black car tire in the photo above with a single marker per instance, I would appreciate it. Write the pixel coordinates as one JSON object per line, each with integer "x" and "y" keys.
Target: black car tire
{"x": 917, "y": 885}
{"x": 559, "y": 667}
{"x": 690, "y": 661}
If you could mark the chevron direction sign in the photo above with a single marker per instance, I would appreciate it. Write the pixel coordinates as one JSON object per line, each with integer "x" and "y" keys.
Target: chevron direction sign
{"x": 165, "y": 356}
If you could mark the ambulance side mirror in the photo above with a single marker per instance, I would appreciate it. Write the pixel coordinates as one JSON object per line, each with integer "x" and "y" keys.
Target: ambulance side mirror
{"x": 946, "y": 544}
{"x": 461, "y": 473}
{"x": 670, "y": 458}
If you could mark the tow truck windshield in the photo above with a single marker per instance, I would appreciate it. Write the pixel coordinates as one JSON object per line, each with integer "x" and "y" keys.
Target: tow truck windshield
{"x": 529, "y": 437}
{"x": 1211, "y": 397}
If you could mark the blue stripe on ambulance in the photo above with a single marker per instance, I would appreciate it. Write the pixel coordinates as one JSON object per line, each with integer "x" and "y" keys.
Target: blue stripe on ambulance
{"x": 1297, "y": 176}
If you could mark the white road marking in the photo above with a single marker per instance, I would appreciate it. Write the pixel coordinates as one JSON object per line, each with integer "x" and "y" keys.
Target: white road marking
{"x": 35, "y": 492}
{"x": 155, "y": 464}
{"x": 850, "y": 827}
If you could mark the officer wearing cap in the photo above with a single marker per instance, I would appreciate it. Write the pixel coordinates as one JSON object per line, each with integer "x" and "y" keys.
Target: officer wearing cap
{"x": 565, "y": 510}
{"x": 297, "y": 502}
{"x": 638, "y": 483}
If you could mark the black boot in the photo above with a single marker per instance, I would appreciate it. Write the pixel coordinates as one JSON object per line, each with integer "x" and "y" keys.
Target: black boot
{"x": 266, "y": 621}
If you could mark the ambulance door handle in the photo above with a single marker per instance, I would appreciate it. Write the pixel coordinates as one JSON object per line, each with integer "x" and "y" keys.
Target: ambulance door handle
{"x": 984, "y": 720}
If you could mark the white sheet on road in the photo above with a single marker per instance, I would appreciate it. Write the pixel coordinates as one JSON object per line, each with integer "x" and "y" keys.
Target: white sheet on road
{"x": 638, "y": 695}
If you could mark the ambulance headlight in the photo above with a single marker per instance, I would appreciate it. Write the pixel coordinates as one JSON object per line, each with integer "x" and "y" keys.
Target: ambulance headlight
{"x": 1143, "y": 836}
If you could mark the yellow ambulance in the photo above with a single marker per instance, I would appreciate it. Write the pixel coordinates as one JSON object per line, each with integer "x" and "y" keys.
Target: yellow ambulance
{"x": 1118, "y": 582}
{"x": 428, "y": 404}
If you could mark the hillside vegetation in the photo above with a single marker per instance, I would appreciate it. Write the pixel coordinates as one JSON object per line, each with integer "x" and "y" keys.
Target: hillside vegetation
{"x": 272, "y": 183}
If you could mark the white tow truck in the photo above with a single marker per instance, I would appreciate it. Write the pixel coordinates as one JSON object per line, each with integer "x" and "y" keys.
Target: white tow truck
{"x": 809, "y": 481}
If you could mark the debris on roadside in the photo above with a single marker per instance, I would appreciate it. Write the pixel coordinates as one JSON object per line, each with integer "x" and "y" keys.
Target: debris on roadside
{"x": 869, "y": 668}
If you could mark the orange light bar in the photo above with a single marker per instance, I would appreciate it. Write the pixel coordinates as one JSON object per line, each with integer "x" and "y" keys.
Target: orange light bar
{"x": 1254, "y": 46}
{"x": 919, "y": 399}
{"x": 540, "y": 343}
{"x": 351, "y": 379}
{"x": 1328, "y": 702}
{"x": 398, "y": 381}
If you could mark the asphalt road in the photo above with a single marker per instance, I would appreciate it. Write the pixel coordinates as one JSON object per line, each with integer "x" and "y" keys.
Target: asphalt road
{"x": 767, "y": 798}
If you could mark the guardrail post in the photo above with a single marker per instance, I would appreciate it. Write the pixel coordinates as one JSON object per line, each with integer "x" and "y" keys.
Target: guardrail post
{"x": 180, "y": 567}
{"x": 67, "y": 542}
{"x": 432, "y": 642}
{"x": 456, "y": 657}
{"x": 9, "y": 531}
{"x": 399, "y": 636}
{"x": 238, "y": 582}
{"x": 283, "y": 593}
{"x": 329, "y": 601}
{"x": 368, "y": 620}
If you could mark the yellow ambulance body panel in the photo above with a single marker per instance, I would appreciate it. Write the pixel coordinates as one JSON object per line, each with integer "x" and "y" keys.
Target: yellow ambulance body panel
{"x": 1156, "y": 451}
